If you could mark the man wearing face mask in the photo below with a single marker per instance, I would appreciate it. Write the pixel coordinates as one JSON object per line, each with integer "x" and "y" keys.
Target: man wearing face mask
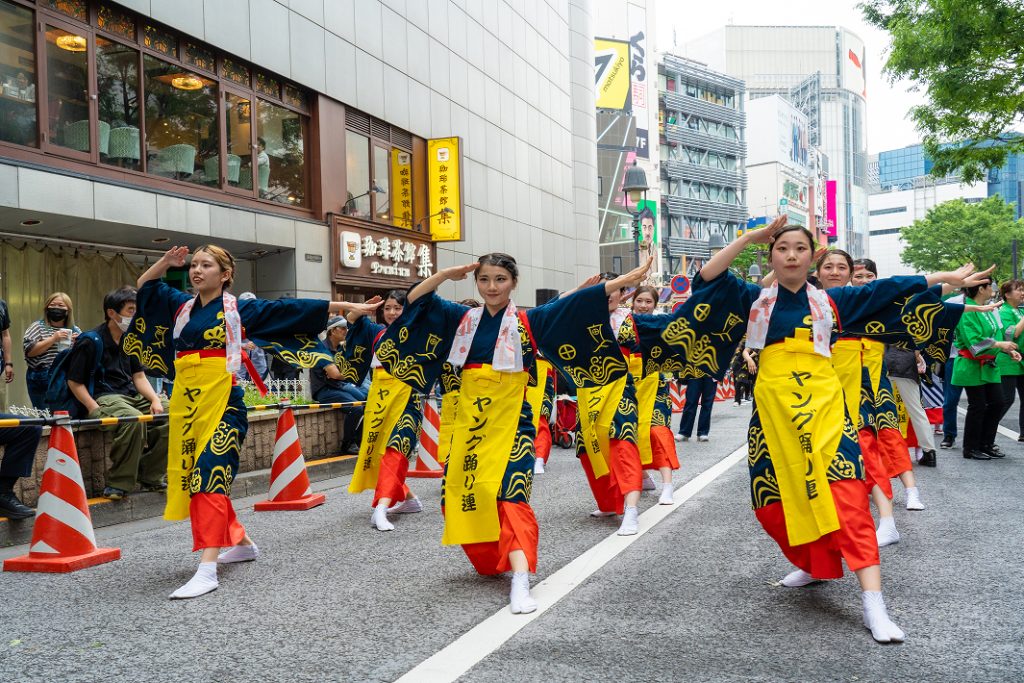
{"x": 138, "y": 454}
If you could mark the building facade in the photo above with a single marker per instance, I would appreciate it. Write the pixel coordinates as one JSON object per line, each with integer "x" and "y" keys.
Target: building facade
{"x": 702, "y": 124}
{"x": 821, "y": 70}
{"x": 297, "y": 135}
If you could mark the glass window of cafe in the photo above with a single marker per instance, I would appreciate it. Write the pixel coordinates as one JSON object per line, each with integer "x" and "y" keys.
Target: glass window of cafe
{"x": 119, "y": 90}
{"x": 379, "y": 171}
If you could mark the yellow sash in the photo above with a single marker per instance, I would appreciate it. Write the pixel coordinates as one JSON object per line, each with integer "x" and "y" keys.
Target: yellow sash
{"x": 874, "y": 357}
{"x": 384, "y": 406}
{"x": 449, "y": 406}
{"x": 200, "y": 397}
{"x": 535, "y": 395}
{"x": 486, "y": 423}
{"x": 846, "y": 359}
{"x": 646, "y": 395}
{"x": 596, "y": 408}
{"x": 800, "y": 405}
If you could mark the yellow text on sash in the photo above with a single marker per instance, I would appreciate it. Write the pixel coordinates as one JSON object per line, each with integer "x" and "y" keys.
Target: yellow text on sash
{"x": 200, "y": 397}
{"x": 800, "y": 403}
{"x": 384, "y": 406}
{"x": 486, "y": 423}
{"x": 597, "y": 407}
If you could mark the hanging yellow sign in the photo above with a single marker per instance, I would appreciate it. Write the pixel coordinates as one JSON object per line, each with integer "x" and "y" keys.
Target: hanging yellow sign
{"x": 611, "y": 73}
{"x": 401, "y": 178}
{"x": 444, "y": 159}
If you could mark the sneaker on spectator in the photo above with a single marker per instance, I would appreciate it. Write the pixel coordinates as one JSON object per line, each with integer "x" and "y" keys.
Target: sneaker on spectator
{"x": 703, "y": 437}
{"x": 114, "y": 493}
{"x": 679, "y": 437}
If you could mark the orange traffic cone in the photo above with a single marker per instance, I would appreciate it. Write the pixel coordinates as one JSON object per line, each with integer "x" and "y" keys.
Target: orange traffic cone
{"x": 289, "y": 483}
{"x": 62, "y": 538}
{"x": 725, "y": 389}
{"x": 427, "y": 466}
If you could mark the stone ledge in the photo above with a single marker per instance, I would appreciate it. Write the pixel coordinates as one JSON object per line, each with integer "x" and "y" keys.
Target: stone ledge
{"x": 142, "y": 505}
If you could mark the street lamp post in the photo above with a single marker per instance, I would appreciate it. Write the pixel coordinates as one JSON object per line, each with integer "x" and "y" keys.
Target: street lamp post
{"x": 633, "y": 186}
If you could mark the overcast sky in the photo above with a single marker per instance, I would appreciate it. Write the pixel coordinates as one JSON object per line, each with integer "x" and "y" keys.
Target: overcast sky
{"x": 887, "y": 105}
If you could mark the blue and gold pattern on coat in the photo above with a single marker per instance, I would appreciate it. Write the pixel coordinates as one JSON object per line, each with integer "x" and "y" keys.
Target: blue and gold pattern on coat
{"x": 662, "y": 404}
{"x": 405, "y": 436}
{"x": 547, "y": 406}
{"x": 846, "y": 462}
{"x": 217, "y": 465}
{"x": 358, "y": 352}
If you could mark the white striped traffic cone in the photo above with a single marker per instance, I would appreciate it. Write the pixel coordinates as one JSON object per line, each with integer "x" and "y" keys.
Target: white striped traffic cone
{"x": 678, "y": 396}
{"x": 62, "y": 538}
{"x": 725, "y": 389}
{"x": 427, "y": 466}
{"x": 289, "y": 483}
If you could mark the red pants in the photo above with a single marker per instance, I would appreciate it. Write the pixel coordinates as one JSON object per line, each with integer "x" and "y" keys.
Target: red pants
{"x": 875, "y": 473}
{"x": 854, "y": 542}
{"x": 214, "y": 524}
{"x": 663, "y": 449}
{"x": 894, "y": 452}
{"x": 519, "y": 531}
{"x": 391, "y": 478}
{"x": 542, "y": 442}
{"x": 625, "y": 475}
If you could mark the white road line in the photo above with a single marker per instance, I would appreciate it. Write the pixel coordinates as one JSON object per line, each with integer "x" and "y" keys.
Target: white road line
{"x": 490, "y": 634}
{"x": 1002, "y": 430}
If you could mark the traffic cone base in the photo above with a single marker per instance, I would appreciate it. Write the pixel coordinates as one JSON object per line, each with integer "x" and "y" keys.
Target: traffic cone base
{"x": 61, "y": 565}
{"x": 289, "y": 481}
{"x": 305, "y": 503}
{"x": 427, "y": 465}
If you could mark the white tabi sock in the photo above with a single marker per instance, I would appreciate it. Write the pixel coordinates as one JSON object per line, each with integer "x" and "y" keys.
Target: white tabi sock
{"x": 648, "y": 483}
{"x": 630, "y": 522}
{"x": 239, "y": 553}
{"x": 538, "y": 466}
{"x": 666, "y": 495}
{"x": 379, "y": 518}
{"x": 797, "y": 578}
{"x": 406, "y": 507}
{"x": 886, "y": 533}
{"x": 601, "y": 513}
{"x": 914, "y": 499}
{"x": 520, "y": 600}
{"x": 876, "y": 619}
{"x": 204, "y": 581}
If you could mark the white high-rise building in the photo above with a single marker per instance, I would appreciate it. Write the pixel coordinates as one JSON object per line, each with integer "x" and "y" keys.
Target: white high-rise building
{"x": 821, "y": 70}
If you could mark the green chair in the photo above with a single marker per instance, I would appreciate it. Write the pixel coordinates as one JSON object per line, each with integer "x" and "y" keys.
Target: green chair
{"x": 175, "y": 161}
{"x": 211, "y": 168}
{"x": 76, "y": 136}
{"x": 124, "y": 143}
{"x": 245, "y": 177}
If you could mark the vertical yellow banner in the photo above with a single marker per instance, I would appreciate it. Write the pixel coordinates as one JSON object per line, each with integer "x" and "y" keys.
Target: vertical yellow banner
{"x": 444, "y": 157}
{"x": 401, "y": 192}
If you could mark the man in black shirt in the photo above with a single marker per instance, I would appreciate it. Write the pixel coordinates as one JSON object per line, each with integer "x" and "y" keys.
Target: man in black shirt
{"x": 120, "y": 389}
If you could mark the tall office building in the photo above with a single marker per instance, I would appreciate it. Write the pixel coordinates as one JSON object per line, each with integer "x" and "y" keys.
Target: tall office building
{"x": 703, "y": 150}
{"x": 821, "y": 70}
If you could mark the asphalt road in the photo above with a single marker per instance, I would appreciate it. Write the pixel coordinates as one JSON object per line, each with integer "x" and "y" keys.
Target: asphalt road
{"x": 691, "y": 600}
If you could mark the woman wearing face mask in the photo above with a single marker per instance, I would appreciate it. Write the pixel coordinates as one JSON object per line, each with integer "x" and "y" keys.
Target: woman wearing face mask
{"x": 200, "y": 336}
{"x": 489, "y": 472}
{"x": 43, "y": 340}
{"x": 805, "y": 469}
{"x": 392, "y": 418}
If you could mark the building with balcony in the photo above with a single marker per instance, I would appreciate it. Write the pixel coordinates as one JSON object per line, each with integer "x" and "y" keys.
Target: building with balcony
{"x": 702, "y": 148}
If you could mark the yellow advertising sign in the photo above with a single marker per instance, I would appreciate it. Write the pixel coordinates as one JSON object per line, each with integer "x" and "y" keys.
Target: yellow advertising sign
{"x": 611, "y": 73}
{"x": 444, "y": 158}
{"x": 401, "y": 182}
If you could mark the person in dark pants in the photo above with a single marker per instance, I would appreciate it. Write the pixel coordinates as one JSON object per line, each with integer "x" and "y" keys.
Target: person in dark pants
{"x": 1011, "y": 371}
{"x": 702, "y": 390}
{"x": 19, "y": 450}
{"x": 950, "y": 393}
{"x": 327, "y": 386}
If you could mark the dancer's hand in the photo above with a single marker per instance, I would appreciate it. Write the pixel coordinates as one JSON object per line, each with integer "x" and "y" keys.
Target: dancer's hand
{"x": 456, "y": 273}
{"x": 766, "y": 235}
{"x": 630, "y": 279}
{"x": 175, "y": 256}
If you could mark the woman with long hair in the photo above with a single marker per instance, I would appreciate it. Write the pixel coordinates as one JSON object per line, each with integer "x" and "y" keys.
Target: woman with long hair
{"x": 43, "y": 340}
{"x": 392, "y": 418}
{"x": 200, "y": 336}
{"x": 489, "y": 471}
{"x": 806, "y": 471}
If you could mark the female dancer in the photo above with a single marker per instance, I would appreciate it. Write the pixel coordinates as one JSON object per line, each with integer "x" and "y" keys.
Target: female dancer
{"x": 1011, "y": 371}
{"x": 654, "y": 432}
{"x": 391, "y": 419}
{"x": 980, "y": 335}
{"x": 804, "y": 464}
{"x": 208, "y": 419}
{"x": 489, "y": 473}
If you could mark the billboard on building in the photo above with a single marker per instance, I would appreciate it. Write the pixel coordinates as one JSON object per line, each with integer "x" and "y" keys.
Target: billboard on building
{"x": 851, "y": 57}
{"x": 831, "y": 208}
{"x": 611, "y": 74}
{"x": 777, "y": 132}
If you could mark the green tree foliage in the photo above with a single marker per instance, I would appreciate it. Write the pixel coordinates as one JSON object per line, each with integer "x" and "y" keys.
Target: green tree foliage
{"x": 956, "y": 232}
{"x": 968, "y": 57}
{"x": 748, "y": 257}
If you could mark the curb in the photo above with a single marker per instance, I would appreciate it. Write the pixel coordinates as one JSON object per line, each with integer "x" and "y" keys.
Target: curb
{"x": 146, "y": 505}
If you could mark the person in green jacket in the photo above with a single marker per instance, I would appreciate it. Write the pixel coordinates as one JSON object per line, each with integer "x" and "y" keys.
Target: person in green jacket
{"x": 980, "y": 338}
{"x": 1012, "y": 371}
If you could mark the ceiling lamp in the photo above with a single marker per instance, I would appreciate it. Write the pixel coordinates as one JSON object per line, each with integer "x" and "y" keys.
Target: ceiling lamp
{"x": 188, "y": 82}
{"x": 72, "y": 43}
